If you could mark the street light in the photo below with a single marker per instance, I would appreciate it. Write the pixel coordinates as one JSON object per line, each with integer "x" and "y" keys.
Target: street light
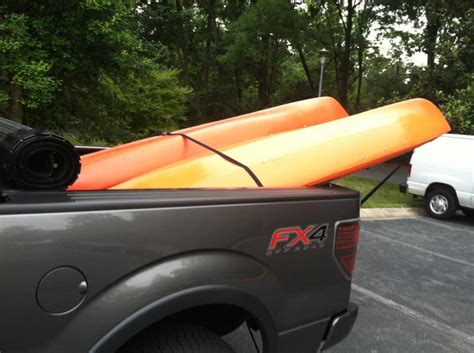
{"x": 323, "y": 56}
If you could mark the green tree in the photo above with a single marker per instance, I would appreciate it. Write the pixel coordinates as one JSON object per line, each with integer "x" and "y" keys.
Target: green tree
{"x": 68, "y": 64}
{"x": 148, "y": 100}
{"x": 118, "y": 70}
{"x": 445, "y": 37}
{"x": 459, "y": 109}
{"x": 26, "y": 79}
{"x": 191, "y": 33}
{"x": 343, "y": 27}
{"x": 258, "y": 41}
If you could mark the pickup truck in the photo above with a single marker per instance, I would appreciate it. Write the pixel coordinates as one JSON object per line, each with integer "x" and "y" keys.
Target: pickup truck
{"x": 135, "y": 271}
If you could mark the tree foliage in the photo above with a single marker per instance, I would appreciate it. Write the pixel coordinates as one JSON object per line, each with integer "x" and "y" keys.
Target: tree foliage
{"x": 459, "y": 109}
{"x": 116, "y": 70}
{"x": 81, "y": 66}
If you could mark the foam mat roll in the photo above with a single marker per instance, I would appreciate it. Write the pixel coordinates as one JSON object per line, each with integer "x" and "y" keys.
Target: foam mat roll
{"x": 33, "y": 159}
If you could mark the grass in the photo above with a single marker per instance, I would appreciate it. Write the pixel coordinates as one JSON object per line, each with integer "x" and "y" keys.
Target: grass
{"x": 388, "y": 196}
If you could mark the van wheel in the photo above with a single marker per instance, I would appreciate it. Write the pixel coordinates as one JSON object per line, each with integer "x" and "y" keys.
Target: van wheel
{"x": 176, "y": 337}
{"x": 441, "y": 203}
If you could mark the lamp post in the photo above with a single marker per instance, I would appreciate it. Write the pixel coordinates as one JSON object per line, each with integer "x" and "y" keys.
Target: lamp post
{"x": 323, "y": 56}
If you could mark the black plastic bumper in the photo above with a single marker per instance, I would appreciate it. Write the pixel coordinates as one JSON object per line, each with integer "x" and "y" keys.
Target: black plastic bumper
{"x": 340, "y": 326}
{"x": 403, "y": 188}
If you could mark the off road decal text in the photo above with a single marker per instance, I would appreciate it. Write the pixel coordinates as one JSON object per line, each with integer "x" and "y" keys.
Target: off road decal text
{"x": 294, "y": 239}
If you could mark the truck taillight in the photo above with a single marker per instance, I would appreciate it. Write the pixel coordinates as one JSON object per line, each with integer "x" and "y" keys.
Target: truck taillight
{"x": 345, "y": 248}
{"x": 409, "y": 170}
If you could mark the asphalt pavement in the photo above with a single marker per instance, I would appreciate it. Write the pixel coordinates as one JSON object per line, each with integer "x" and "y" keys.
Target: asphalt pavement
{"x": 414, "y": 284}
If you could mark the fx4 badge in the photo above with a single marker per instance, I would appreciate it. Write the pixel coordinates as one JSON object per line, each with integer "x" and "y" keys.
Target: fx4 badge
{"x": 296, "y": 239}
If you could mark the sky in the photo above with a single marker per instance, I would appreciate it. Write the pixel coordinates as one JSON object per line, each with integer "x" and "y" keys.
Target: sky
{"x": 418, "y": 58}
{"x": 385, "y": 45}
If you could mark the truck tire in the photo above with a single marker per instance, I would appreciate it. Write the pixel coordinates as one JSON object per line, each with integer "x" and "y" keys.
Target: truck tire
{"x": 441, "y": 202}
{"x": 176, "y": 337}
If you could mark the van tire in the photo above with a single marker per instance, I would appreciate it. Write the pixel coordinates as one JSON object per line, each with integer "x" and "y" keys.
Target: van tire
{"x": 469, "y": 212}
{"x": 441, "y": 202}
{"x": 176, "y": 337}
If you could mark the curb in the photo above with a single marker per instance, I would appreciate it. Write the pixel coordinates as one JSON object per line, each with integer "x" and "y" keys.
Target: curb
{"x": 392, "y": 213}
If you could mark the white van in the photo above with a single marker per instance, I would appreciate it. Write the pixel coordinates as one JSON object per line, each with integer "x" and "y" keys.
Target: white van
{"x": 442, "y": 171}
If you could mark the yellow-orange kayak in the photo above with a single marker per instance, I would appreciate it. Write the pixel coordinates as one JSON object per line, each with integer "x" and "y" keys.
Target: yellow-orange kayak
{"x": 104, "y": 169}
{"x": 311, "y": 155}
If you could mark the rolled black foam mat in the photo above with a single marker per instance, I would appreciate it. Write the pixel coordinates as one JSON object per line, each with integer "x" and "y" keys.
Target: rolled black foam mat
{"x": 32, "y": 159}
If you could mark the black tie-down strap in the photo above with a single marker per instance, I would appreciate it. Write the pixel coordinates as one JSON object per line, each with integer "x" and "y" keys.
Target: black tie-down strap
{"x": 379, "y": 185}
{"x": 219, "y": 153}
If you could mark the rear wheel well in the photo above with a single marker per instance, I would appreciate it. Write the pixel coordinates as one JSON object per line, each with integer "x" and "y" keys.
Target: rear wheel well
{"x": 219, "y": 318}
{"x": 176, "y": 337}
{"x": 434, "y": 186}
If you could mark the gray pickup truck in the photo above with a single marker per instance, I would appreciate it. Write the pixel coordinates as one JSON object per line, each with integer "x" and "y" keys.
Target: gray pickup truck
{"x": 175, "y": 270}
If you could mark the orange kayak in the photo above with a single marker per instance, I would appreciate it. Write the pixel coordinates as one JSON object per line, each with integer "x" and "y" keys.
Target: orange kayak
{"x": 311, "y": 155}
{"x": 104, "y": 169}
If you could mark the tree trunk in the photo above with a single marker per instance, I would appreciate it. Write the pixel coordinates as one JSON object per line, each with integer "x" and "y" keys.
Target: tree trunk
{"x": 263, "y": 86}
{"x": 15, "y": 111}
{"x": 210, "y": 42}
{"x": 182, "y": 45}
{"x": 360, "y": 73}
{"x": 238, "y": 87}
{"x": 359, "y": 85}
{"x": 263, "y": 73}
{"x": 433, "y": 25}
{"x": 345, "y": 68}
{"x": 305, "y": 67}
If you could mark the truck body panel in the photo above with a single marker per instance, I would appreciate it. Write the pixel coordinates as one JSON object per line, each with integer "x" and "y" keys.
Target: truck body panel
{"x": 148, "y": 254}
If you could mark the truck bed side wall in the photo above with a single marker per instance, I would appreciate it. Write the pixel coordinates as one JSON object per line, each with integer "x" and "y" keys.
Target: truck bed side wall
{"x": 135, "y": 256}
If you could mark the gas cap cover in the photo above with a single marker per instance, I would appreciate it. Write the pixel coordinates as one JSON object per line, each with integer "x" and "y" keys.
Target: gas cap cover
{"x": 61, "y": 290}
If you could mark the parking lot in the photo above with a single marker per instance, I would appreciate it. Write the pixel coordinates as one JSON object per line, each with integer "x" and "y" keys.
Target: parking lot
{"x": 414, "y": 285}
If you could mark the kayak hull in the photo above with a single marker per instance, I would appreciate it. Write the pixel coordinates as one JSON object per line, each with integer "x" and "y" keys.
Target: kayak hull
{"x": 104, "y": 169}
{"x": 311, "y": 155}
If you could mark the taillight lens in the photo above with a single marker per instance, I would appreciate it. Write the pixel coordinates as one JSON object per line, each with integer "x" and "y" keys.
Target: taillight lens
{"x": 409, "y": 170}
{"x": 345, "y": 249}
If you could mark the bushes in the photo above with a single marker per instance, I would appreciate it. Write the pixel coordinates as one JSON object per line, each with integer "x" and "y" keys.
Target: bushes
{"x": 459, "y": 109}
